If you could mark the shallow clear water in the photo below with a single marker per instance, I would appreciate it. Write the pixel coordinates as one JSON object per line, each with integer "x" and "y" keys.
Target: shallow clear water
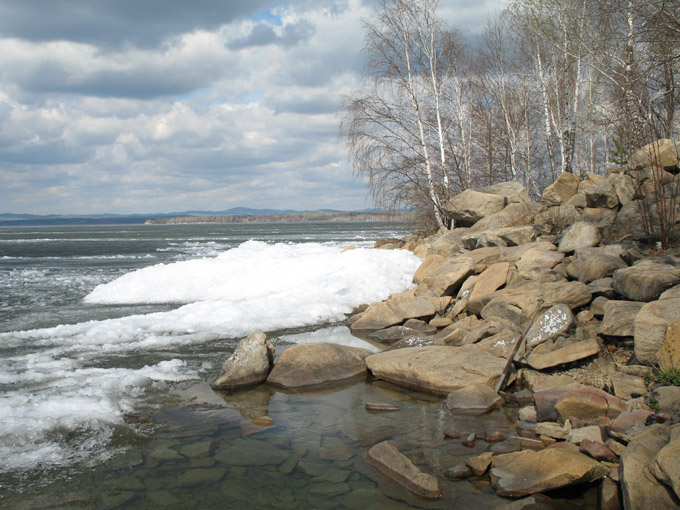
{"x": 109, "y": 337}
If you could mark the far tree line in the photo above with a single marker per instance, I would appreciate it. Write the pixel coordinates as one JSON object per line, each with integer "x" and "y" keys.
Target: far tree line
{"x": 549, "y": 87}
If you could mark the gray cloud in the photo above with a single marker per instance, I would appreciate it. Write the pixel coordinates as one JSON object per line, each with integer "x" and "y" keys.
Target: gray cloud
{"x": 122, "y": 106}
{"x": 112, "y": 23}
{"x": 263, "y": 34}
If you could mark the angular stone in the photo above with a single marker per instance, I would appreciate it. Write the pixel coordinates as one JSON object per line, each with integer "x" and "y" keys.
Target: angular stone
{"x": 512, "y": 191}
{"x": 590, "y": 433}
{"x": 395, "y": 333}
{"x": 518, "y": 303}
{"x": 619, "y": 317}
{"x": 579, "y": 235}
{"x": 480, "y": 463}
{"x": 393, "y": 311}
{"x": 623, "y": 186}
{"x": 597, "y": 450}
{"x": 572, "y": 352}
{"x": 589, "y": 268}
{"x": 518, "y": 213}
{"x": 315, "y": 364}
{"x": 491, "y": 279}
{"x": 539, "y": 260}
{"x": 552, "y": 429}
{"x": 666, "y": 464}
{"x": 628, "y": 386}
{"x": 500, "y": 344}
{"x": 393, "y": 464}
{"x": 588, "y": 402}
{"x": 553, "y": 322}
{"x": 545, "y": 401}
{"x": 443, "y": 275}
{"x": 438, "y": 370}
{"x": 646, "y": 280}
{"x": 669, "y": 353}
{"x": 628, "y": 422}
{"x": 415, "y": 341}
{"x": 662, "y": 153}
{"x": 475, "y": 399}
{"x": 638, "y": 488}
{"x": 528, "y": 472}
{"x": 599, "y": 192}
{"x": 650, "y": 327}
{"x": 560, "y": 191}
{"x": 198, "y": 477}
{"x": 249, "y": 365}
{"x": 251, "y": 452}
{"x": 668, "y": 398}
{"x": 470, "y": 206}
{"x": 457, "y": 472}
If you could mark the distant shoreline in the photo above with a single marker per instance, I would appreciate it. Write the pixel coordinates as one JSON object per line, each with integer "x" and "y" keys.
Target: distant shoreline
{"x": 280, "y": 218}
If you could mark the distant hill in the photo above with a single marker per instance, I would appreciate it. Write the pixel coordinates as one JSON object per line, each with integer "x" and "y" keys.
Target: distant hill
{"x": 9, "y": 219}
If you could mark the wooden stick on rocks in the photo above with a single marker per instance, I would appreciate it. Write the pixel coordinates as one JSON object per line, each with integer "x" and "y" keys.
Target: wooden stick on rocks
{"x": 506, "y": 370}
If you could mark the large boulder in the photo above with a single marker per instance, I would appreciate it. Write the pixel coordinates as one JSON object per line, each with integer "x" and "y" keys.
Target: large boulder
{"x": 647, "y": 279}
{"x": 528, "y": 472}
{"x": 249, "y": 365}
{"x": 630, "y": 222}
{"x": 438, "y": 370}
{"x": 650, "y": 327}
{"x": 554, "y": 321}
{"x": 560, "y": 191}
{"x": 470, "y": 206}
{"x": 395, "y": 465}
{"x": 512, "y": 191}
{"x": 518, "y": 303}
{"x": 623, "y": 186}
{"x": 588, "y": 402}
{"x": 588, "y": 268}
{"x": 598, "y": 192}
{"x": 619, "y": 317}
{"x": 316, "y": 364}
{"x": 639, "y": 488}
{"x": 581, "y": 234}
{"x": 394, "y": 311}
{"x": 443, "y": 275}
{"x": 662, "y": 153}
{"x": 666, "y": 465}
{"x": 516, "y": 213}
{"x": 491, "y": 279}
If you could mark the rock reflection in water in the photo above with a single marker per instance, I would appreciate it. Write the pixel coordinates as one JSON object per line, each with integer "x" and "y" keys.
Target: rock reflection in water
{"x": 216, "y": 454}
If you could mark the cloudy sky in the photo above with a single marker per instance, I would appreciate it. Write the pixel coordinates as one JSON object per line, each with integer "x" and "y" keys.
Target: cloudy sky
{"x": 139, "y": 106}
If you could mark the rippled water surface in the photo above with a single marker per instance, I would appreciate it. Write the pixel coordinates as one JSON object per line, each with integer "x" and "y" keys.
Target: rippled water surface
{"x": 110, "y": 336}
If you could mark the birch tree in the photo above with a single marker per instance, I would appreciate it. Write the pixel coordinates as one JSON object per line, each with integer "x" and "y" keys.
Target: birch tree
{"x": 393, "y": 126}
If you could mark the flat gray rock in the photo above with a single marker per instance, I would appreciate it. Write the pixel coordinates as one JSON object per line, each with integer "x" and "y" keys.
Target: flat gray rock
{"x": 648, "y": 279}
{"x": 316, "y": 364}
{"x": 435, "y": 369}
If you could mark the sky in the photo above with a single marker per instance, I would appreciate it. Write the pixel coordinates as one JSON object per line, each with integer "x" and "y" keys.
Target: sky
{"x": 129, "y": 106}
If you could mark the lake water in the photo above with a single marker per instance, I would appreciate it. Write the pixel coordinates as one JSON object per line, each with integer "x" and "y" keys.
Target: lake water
{"x": 110, "y": 336}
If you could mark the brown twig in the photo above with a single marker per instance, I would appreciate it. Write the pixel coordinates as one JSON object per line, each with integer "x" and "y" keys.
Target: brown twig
{"x": 506, "y": 370}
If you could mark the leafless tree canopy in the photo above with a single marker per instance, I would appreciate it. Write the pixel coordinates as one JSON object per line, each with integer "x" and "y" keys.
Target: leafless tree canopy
{"x": 550, "y": 87}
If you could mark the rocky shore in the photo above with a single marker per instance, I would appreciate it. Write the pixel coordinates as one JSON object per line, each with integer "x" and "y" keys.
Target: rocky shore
{"x": 591, "y": 374}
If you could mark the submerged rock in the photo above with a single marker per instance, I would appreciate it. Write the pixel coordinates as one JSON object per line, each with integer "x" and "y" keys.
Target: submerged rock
{"x": 475, "y": 399}
{"x": 393, "y": 464}
{"x": 249, "y": 365}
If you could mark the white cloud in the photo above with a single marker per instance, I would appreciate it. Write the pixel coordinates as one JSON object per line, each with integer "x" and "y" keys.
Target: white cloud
{"x": 206, "y": 112}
